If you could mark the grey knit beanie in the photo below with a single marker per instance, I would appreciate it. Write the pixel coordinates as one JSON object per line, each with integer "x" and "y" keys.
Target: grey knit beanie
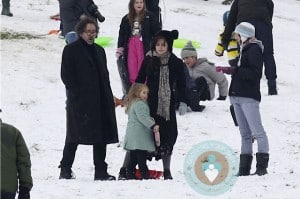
{"x": 188, "y": 50}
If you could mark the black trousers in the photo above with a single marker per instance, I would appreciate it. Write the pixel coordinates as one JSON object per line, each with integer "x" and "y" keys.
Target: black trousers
{"x": 8, "y": 195}
{"x": 138, "y": 157}
{"x": 202, "y": 88}
{"x": 99, "y": 154}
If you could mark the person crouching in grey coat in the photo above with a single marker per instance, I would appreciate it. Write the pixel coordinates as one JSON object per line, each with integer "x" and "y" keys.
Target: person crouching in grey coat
{"x": 203, "y": 78}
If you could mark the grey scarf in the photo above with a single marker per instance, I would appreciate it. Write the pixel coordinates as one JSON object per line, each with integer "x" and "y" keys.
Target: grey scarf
{"x": 164, "y": 90}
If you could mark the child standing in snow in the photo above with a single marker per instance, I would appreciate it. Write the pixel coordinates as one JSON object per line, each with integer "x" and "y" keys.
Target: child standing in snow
{"x": 232, "y": 49}
{"x": 139, "y": 137}
{"x": 245, "y": 96}
{"x": 137, "y": 28}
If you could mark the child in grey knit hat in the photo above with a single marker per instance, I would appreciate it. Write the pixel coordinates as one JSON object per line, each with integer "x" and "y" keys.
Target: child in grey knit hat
{"x": 204, "y": 76}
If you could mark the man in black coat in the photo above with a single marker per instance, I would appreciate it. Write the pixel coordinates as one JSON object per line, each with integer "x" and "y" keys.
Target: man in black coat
{"x": 259, "y": 13}
{"x": 90, "y": 106}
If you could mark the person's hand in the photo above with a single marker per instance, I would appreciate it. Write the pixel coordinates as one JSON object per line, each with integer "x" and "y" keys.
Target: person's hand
{"x": 24, "y": 193}
{"x": 221, "y": 98}
{"x": 182, "y": 108}
{"x": 156, "y": 135}
{"x": 156, "y": 128}
{"x": 119, "y": 52}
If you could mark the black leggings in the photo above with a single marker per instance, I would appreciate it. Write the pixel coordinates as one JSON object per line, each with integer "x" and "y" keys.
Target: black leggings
{"x": 138, "y": 157}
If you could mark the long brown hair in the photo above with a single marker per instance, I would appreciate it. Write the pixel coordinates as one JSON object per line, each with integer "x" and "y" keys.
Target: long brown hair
{"x": 132, "y": 15}
{"x": 134, "y": 94}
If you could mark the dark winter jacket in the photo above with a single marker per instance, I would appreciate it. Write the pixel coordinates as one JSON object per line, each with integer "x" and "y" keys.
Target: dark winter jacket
{"x": 153, "y": 6}
{"x": 15, "y": 160}
{"x": 149, "y": 28}
{"x": 168, "y": 129}
{"x": 245, "y": 80}
{"x": 70, "y": 12}
{"x": 90, "y": 105}
{"x": 247, "y": 10}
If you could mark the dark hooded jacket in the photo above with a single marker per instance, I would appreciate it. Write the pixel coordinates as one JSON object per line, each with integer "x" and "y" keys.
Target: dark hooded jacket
{"x": 245, "y": 80}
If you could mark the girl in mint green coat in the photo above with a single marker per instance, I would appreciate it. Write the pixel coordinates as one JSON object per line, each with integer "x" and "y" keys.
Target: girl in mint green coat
{"x": 141, "y": 130}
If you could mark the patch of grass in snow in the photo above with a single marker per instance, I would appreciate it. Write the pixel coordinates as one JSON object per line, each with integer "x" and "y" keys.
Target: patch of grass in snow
{"x": 16, "y": 35}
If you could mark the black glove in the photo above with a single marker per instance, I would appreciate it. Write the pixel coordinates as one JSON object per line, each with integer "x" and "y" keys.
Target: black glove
{"x": 221, "y": 98}
{"x": 24, "y": 193}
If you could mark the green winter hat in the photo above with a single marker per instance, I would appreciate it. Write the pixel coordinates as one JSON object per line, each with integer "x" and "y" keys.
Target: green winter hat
{"x": 188, "y": 50}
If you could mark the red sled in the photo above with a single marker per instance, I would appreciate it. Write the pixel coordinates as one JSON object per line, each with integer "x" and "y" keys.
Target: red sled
{"x": 153, "y": 174}
{"x": 225, "y": 69}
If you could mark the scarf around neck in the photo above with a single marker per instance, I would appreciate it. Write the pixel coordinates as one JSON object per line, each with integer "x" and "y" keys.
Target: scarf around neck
{"x": 164, "y": 90}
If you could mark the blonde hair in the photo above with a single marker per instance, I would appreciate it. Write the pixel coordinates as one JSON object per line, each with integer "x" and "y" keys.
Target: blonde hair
{"x": 134, "y": 94}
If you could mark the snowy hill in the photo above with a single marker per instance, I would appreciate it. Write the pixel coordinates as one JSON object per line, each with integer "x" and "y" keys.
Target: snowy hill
{"x": 33, "y": 99}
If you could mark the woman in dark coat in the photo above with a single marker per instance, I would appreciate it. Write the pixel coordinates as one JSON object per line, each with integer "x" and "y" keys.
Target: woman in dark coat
{"x": 161, "y": 70}
{"x": 90, "y": 107}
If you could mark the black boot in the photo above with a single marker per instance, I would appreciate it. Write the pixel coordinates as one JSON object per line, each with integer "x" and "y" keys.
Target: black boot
{"x": 122, "y": 174}
{"x": 101, "y": 174}
{"x": 145, "y": 175}
{"x": 245, "y": 164}
{"x": 6, "y": 8}
{"x": 167, "y": 174}
{"x": 131, "y": 174}
{"x": 66, "y": 172}
{"x": 262, "y": 160}
{"x": 272, "y": 89}
{"x": 194, "y": 100}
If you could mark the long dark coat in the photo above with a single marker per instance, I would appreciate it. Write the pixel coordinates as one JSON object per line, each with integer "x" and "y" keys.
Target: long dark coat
{"x": 90, "y": 106}
{"x": 150, "y": 71}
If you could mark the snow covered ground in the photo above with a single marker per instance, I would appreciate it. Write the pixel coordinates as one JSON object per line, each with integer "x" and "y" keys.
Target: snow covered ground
{"x": 33, "y": 99}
